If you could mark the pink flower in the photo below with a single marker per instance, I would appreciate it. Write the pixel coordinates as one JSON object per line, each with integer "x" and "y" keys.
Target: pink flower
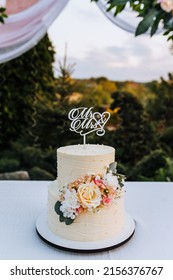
{"x": 106, "y": 200}
{"x": 79, "y": 210}
{"x": 99, "y": 183}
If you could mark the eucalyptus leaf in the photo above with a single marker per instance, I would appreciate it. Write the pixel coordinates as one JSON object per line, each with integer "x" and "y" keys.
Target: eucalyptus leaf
{"x": 112, "y": 167}
{"x": 57, "y": 208}
{"x": 121, "y": 179}
{"x": 68, "y": 221}
{"x": 61, "y": 218}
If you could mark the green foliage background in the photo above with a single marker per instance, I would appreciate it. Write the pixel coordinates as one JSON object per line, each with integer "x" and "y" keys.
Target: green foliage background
{"x": 34, "y": 106}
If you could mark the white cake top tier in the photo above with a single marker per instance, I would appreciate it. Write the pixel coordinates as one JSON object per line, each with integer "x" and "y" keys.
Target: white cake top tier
{"x": 86, "y": 150}
{"x": 76, "y": 161}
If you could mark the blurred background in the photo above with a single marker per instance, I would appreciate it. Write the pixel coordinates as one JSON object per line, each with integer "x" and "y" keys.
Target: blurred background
{"x": 85, "y": 60}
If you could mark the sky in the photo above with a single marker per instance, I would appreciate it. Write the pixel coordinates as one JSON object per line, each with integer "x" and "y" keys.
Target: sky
{"x": 100, "y": 48}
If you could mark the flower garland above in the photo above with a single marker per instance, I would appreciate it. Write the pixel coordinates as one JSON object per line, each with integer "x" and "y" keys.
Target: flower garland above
{"x": 154, "y": 13}
{"x": 89, "y": 193}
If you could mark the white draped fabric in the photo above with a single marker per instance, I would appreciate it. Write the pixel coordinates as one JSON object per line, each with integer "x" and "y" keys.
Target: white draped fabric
{"x": 28, "y": 22}
{"x": 24, "y": 29}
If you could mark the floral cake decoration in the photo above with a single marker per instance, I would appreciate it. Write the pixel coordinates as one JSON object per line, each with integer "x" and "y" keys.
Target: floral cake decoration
{"x": 89, "y": 194}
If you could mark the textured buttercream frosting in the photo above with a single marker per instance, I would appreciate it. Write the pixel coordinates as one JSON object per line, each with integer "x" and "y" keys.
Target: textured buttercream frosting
{"x": 79, "y": 160}
{"x": 89, "y": 226}
{"x": 74, "y": 162}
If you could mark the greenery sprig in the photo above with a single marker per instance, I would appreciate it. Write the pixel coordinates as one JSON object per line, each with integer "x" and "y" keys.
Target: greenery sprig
{"x": 68, "y": 221}
{"x": 3, "y": 14}
{"x": 153, "y": 14}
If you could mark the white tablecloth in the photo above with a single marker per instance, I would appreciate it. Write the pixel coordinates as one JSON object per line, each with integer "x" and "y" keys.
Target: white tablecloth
{"x": 149, "y": 203}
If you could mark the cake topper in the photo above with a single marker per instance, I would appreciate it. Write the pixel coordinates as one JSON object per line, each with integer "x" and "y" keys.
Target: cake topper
{"x": 84, "y": 121}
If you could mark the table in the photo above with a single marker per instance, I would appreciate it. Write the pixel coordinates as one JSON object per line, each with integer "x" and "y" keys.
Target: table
{"x": 149, "y": 203}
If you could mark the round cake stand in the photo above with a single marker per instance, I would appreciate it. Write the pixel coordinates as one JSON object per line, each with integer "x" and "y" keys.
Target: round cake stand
{"x": 85, "y": 247}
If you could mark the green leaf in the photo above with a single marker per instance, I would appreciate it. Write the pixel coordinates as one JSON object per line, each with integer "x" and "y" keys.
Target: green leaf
{"x": 62, "y": 218}
{"x": 1, "y": 19}
{"x": 121, "y": 179}
{"x": 119, "y": 5}
{"x": 169, "y": 24}
{"x": 112, "y": 167}
{"x": 119, "y": 2}
{"x": 156, "y": 24}
{"x": 68, "y": 221}
{"x": 147, "y": 21}
{"x": 119, "y": 9}
{"x": 2, "y": 9}
{"x": 170, "y": 38}
{"x": 57, "y": 208}
{"x": 167, "y": 32}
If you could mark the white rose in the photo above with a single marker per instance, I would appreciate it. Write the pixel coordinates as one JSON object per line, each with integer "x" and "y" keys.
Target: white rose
{"x": 166, "y": 5}
{"x": 111, "y": 180}
{"x": 89, "y": 195}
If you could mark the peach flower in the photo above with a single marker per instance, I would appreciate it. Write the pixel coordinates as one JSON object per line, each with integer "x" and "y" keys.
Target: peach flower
{"x": 166, "y": 5}
{"x": 89, "y": 195}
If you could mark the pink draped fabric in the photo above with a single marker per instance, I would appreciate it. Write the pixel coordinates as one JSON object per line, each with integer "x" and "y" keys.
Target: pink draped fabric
{"x": 23, "y": 30}
{"x": 17, "y": 6}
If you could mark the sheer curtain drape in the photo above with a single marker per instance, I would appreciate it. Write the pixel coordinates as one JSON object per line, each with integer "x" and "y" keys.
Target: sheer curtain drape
{"x": 23, "y": 30}
{"x": 126, "y": 20}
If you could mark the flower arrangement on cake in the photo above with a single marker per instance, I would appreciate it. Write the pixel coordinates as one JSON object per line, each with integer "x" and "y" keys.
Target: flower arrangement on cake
{"x": 89, "y": 194}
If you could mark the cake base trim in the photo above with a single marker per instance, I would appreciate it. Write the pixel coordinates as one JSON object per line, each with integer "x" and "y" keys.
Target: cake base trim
{"x": 84, "y": 247}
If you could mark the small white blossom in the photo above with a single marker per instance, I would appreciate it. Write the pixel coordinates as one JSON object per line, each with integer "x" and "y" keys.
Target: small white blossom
{"x": 69, "y": 204}
{"x": 111, "y": 180}
{"x": 71, "y": 198}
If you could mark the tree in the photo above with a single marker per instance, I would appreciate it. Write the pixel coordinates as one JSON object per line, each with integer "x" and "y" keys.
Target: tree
{"x": 64, "y": 81}
{"x": 160, "y": 108}
{"x": 94, "y": 92}
{"x": 24, "y": 82}
{"x": 148, "y": 166}
{"x": 134, "y": 136}
{"x": 140, "y": 90}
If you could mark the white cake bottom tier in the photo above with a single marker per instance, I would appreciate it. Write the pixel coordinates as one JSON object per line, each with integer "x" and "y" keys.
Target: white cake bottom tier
{"x": 104, "y": 224}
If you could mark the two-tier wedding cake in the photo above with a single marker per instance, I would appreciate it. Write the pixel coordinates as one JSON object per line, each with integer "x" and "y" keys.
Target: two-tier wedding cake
{"x": 86, "y": 202}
